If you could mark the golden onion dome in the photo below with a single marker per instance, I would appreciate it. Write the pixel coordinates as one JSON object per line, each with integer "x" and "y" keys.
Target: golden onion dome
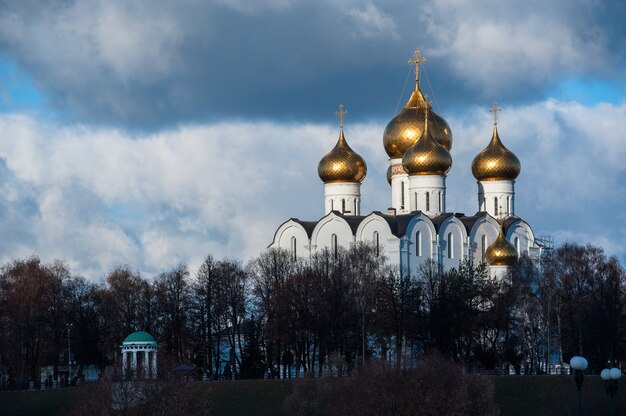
{"x": 501, "y": 252}
{"x": 404, "y": 129}
{"x": 342, "y": 164}
{"x": 496, "y": 162}
{"x": 426, "y": 156}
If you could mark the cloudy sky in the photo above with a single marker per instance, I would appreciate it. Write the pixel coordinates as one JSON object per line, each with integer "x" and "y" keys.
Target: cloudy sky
{"x": 152, "y": 132}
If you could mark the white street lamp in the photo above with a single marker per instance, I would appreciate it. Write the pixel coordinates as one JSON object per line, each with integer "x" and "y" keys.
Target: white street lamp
{"x": 610, "y": 377}
{"x": 579, "y": 365}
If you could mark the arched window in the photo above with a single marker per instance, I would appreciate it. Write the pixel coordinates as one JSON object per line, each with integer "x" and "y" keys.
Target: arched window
{"x": 333, "y": 245}
{"x": 483, "y": 247}
{"x": 517, "y": 246}
{"x": 355, "y": 213}
{"x": 332, "y": 204}
{"x": 427, "y": 201}
{"x": 293, "y": 248}
{"x": 418, "y": 243}
{"x": 377, "y": 243}
{"x": 450, "y": 244}
{"x": 440, "y": 202}
{"x": 508, "y": 206}
{"x": 402, "y": 195}
{"x": 495, "y": 206}
{"x": 343, "y": 206}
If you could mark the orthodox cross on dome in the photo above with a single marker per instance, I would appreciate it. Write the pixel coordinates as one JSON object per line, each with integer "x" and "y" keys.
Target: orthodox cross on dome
{"x": 341, "y": 113}
{"x": 417, "y": 60}
{"x": 495, "y": 110}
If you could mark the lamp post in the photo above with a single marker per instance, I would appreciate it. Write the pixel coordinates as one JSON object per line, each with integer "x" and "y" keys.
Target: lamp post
{"x": 69, "y": 355}
{"x": 579, "y": 365}
{"x": 610, "y": 377}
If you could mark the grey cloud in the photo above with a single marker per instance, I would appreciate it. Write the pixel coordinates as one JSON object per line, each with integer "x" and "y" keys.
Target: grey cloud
{"x": 148, "y": 64}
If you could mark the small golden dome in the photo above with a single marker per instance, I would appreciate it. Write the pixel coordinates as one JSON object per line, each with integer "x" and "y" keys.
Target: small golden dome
{"x": 342, "y": 164}
{"x": 426, "y": 156}
{"x": 496, "y": 162}
{"x": 501, "y": 252}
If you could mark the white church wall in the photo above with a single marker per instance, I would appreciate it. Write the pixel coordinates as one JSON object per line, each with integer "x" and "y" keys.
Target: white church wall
{"x": 420, "y": 251}
{"x": 483, "y": 233}
{"x": 344, "y": 197}
{"x": 331, "y": 231}
{"x": 292, "y": 236}
{"x": 428, "y": 193}
{"x": 452, "y": 243}
{"x": 388, "y": 243}
{"x": 497, "y": 197}
{"x": 521, "y": 236}
{"x": 399, "y": 187}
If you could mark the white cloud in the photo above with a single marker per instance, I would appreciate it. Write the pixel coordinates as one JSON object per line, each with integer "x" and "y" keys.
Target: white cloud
{"x": 492, "y": 45}
{"x": 97, "y": 197}
{"x": 372, "y": 23}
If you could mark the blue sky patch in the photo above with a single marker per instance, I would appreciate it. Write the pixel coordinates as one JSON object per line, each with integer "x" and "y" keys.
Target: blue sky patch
{"x": 591, "y": 91}
{"x": 17, "y": 92}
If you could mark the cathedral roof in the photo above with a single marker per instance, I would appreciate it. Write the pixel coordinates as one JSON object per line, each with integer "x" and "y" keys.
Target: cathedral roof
{"x": 307, "y": 225}
{"x": 469, "y": 222}
{"x": 397, "y": 223}
{"x": 352, "y": 220}
{"x": 439, "y": 219}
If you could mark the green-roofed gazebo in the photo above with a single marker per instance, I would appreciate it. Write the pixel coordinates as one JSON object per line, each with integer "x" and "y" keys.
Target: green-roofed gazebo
{"x": 139, "y": 337}
{"x": 139, "y": 344}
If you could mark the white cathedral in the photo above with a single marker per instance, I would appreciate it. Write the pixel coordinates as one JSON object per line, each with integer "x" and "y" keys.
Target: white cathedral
{"x": 418, "y": 227}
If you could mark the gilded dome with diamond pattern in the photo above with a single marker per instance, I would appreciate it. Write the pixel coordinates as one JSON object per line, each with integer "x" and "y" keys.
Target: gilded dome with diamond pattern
{"x": 342, "y": 164}
{"x": 496, "y": 162}
{"x": 501, "y": 252}
{"x": 427, "y": 156}
{"x": 404, "y": 129}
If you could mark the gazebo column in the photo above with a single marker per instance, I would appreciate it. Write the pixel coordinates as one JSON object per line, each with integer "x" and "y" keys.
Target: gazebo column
{"x": 154, "y": 364}
{"x": 146, "y": 363}
{"x": 124, "y": 363}
{"x": 133, "y": 363}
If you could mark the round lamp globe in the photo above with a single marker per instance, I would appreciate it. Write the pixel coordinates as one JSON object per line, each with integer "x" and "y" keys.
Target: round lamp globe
{"x": 615, "y": 373}
{"x": 578, "y": 363}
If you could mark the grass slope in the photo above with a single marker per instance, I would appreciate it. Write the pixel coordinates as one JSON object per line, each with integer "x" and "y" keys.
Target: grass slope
{"x": 554, "y": 396}
{"x": 516, "y": 396}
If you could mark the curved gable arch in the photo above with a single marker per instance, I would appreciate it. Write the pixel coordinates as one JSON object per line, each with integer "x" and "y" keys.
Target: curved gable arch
{"x": 421, "y": 222}
{"x": 418, "y": 242}
{"x": 329, "y": 226}
{"x": 487, "y": 228}
{"x": 291, "y": 232}
{"x": 452, "y": 242}
{"x": 375, "y": 228}
{"x": 520, "y": 230}
{"x": 371, "y": 223}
